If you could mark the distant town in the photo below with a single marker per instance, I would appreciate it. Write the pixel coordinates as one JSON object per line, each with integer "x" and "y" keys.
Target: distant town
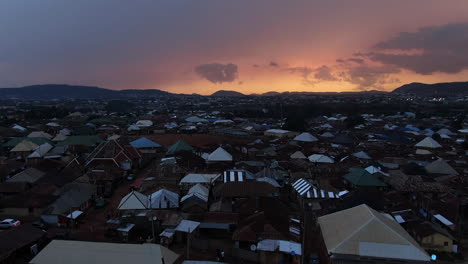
{"x": 153, "y": 177}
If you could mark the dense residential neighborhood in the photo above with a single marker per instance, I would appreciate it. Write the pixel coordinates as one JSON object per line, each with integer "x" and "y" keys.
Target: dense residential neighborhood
{"x": 235, "y": 180}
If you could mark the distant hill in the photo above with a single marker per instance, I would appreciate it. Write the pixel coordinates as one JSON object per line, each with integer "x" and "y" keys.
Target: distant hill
{"x": 271, "y": 93}
{"x": 227, "y": 93}
{"x": 63, "y": 91}
{"x": 436, "y": 89}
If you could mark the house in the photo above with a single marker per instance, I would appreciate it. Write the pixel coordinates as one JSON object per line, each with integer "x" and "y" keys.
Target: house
{"x": 163, "y": 199}
{"x": 362, "y": 178}
{"x": 30, "y": 175}
{"x": 71, "y": 197}
{"x": 280, "y": 133}
{"x": 134, "y": 201}
{"x": 179, "y": 146}
{"x": 192, "y": 179}
{"x": 305, "y": 137}
{"x": 432, "y": 237}
{"x": 18, "y": 242}
{"x": 428, "y": 142}
{"x": 145, "y": 145}
{"x": 78, "y": 252}
{"x": 219, "y": 155}
{"x": 363, "y": 235}
{"x": 196, "y": 199}
{"x": 319, "y": 158}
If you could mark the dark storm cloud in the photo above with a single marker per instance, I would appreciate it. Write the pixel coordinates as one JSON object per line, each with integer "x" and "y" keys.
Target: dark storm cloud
{"x": 356, "y": 60}
{"x": 311, "y": 76}
{"x": 428, "y": 50}
{"x": 274, "y": 64}
{"x": 217, "y": 72}
{"x": 324, "y": 73}
{"x": 370, "y": 77}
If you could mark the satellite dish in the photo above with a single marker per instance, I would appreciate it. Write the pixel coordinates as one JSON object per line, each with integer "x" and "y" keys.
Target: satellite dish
{"x": 253, "y": 247}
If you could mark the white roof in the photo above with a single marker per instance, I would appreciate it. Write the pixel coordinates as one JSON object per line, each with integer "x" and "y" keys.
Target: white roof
{"x": 423, "y": 152}
{"x": 445, "y": 131}
{"x": 187, "y": 226}
{"x": 78, "y": 252}
{"x": 277, "y": 131}
{"x": 41, "y": 151}
{"x": 319, "y": 158}
{"x": 219, "y": 155}
{"x": 164, "y": 199}
{"x": 428, "y": 142}
{"x": 279, "y": 245}
{"x": 198, "y": 178}
{"x": 134, "y": 201}
{"x": 52, "y": 124}
{"x": 327, "y": 134}
{"x": 444, "y": 220}
{"x": 74, "y": 214}
{"x": 305, "y": 137}
{"x": 373, "y": 169}
{"x": 298, "y": 155}
{"x": 144, "y": 123}
{"x": 361, "y": 155}
{"x": 199, "y": 191}
{"x": 195, "y": 119}
{"x": 18, "y": 127}
{"x": 362, "y": 231}
{"x": 133, "y": 128}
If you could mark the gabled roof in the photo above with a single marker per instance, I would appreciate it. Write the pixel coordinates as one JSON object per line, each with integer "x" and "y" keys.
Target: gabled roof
{"x": 41, "y": 151}
{"x": 145, "y": 143}
{"x": 30, "y": 175}
{"x": 219, "y": 155}
{"x": 24, "y": 146}
{"x": 428, "y": 142}
{"x": 361, "y": 177}
{"x": 134, "y": 201}
{"x": 305, "y": 137}
{"x": 179, "y": 146}
{"x": 112, "y": 150}
{"x": 164, "y": 199}
{"x": 39, "y": 134}
{"x": 327, "y": 135}
{"x": 362, "y": 231}
{"x": 361, "y": 155}
{"x": 319, "y": 158}
{"x": 198, "y": 178}
{"x": 298, "y": 155}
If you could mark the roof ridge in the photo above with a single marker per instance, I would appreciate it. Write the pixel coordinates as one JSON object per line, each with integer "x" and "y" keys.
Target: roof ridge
{"x": 355, "y": 231}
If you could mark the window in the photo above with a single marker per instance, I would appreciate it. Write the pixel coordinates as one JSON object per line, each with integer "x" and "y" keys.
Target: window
{"x": 446, "y": 243}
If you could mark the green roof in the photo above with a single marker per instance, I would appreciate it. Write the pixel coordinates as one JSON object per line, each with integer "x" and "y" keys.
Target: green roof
{"x": 81, "y": 140}
{"x": 360, "y": 177}
{"x": 36, "y": 140}
{"x": 179, "y": 146}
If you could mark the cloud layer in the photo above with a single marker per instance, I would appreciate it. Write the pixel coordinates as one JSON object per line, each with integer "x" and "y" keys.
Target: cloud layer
{"x": 217, "y": 72}
{"x": 438, "y": 49}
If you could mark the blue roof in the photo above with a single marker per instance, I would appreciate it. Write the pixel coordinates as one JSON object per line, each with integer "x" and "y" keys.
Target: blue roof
{"x": 144, "y": 143}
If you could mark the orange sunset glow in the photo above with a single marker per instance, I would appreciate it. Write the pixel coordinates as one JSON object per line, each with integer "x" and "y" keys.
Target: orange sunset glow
{"x": 250, "y": 47}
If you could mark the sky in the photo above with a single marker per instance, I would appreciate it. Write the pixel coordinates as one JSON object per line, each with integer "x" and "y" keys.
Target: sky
{"x": 250, "y": 46}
